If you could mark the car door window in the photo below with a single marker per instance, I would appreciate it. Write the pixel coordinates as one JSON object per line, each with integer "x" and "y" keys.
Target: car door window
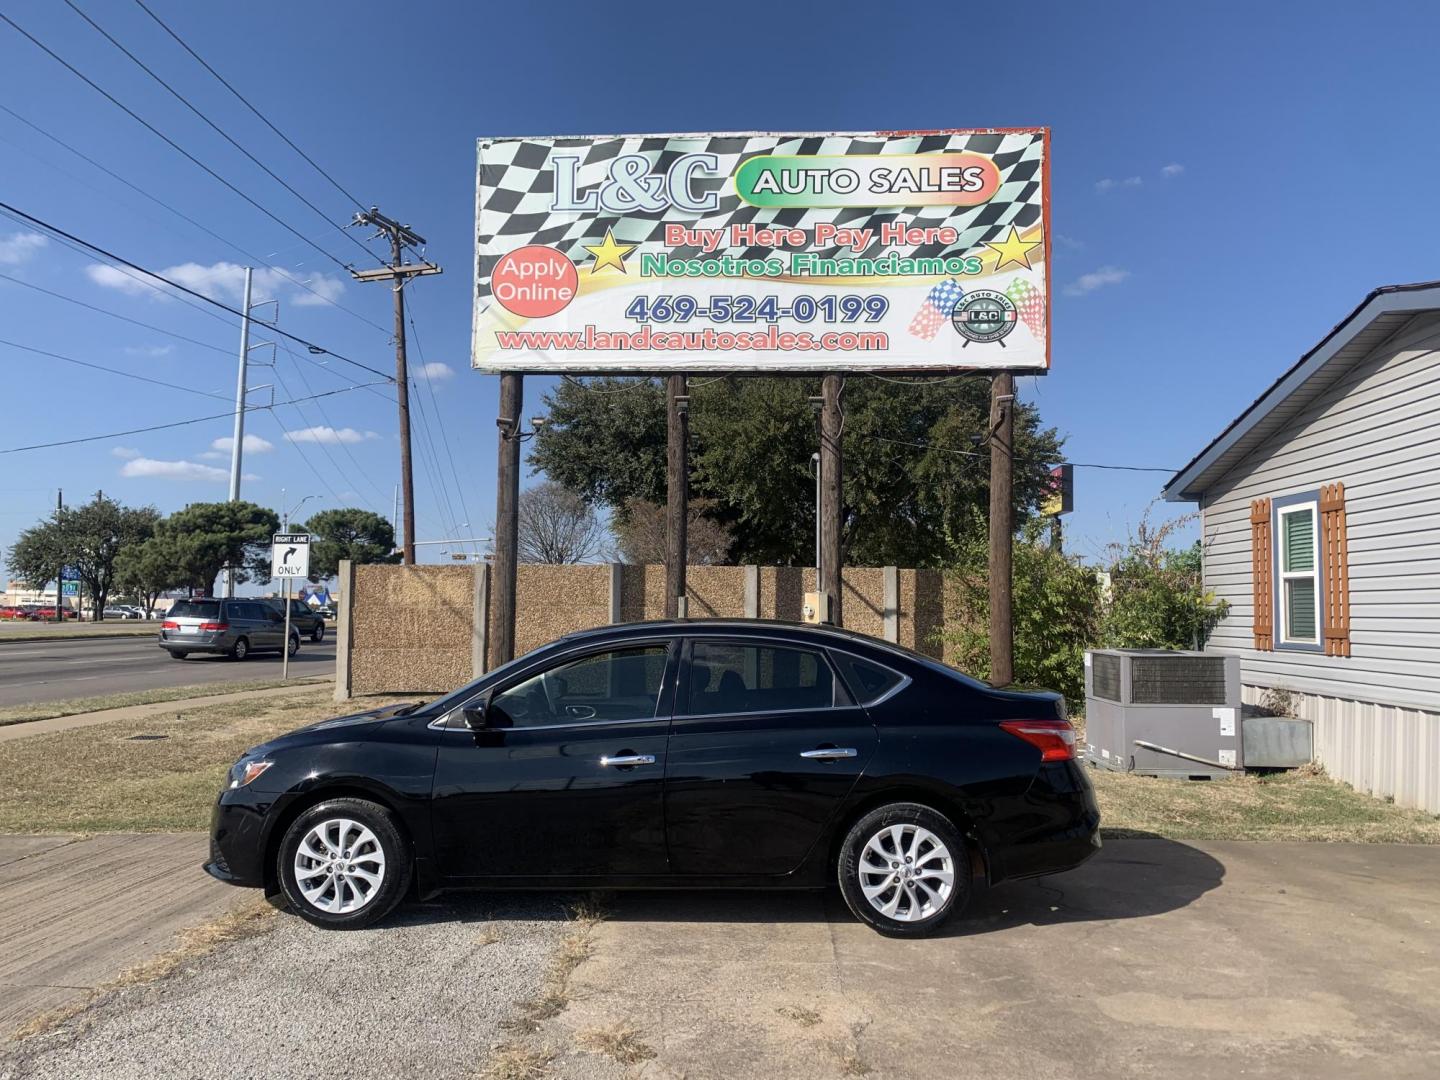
{"x": 733, "y": 678}
{"x": 619, "y": 684}
{"x": 869, "y": 682}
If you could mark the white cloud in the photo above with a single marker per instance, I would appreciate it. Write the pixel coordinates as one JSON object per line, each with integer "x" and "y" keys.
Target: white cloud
{"x": 437, "y": 370}
{"x": 1096, "y": 279}
{"x": 253, "y": 444}
{"x": 126, "y": 452}
{"x": 1173, "y": 169}
{"x": 1108, "y": 184}
{"x": 224, "y": 281}
{"x": 323, "y": 434}
{"x": 20, "y": 247}
{"x": 149, "y": 350}
{"x": 1068, "y": 242}
{"x": 176, "y": 470}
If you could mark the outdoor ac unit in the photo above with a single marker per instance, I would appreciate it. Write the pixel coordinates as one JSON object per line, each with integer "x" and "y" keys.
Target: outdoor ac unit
{"x": 1186, "y": 704}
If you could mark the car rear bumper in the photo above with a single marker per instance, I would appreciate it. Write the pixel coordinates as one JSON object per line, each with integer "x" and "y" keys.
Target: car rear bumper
{"x": 1056, "y": 829}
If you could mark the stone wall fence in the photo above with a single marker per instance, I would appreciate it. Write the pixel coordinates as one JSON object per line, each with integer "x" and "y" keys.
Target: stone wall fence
{"x": 427, "y": 629}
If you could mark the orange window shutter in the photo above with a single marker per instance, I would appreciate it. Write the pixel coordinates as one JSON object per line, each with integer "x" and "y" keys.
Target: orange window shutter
{"x": 1335, "y": 569}
{"x": 1260, "y": 560}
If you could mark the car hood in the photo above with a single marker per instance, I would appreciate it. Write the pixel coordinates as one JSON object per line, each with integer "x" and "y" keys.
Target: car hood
{"x": 354, "y": 725}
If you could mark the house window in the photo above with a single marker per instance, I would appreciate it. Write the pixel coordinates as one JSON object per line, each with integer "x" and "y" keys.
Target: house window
{"x": 1299, "y": 580}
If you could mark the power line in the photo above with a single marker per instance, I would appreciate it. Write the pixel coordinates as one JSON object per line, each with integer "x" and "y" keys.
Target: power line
{"x": 57, "y": 231}
{"x": 335, "y": 183}
{"x": 976, "y": 454}
{"x": 215, "y": 127}
{"x": 435, "y": 404}
{"x": 168, "y": 141}
{"x": 112, "y": 371}
{"x": 250, "y": 255}
{"x": 172, "y": 424}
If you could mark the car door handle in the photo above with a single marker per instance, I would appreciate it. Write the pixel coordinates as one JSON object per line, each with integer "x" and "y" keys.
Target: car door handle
{"x": 629, "y": 759}
{"x": 830, "y": 753}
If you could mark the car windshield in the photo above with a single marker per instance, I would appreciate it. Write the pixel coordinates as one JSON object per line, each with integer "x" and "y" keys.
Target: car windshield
{"x": 195, "y": 609}
{"x": 466, "y": 692}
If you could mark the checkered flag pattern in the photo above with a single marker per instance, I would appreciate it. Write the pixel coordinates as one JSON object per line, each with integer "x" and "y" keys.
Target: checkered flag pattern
{"x": 1029, "y": 305}
{"x": 516, "y": 184}
{"x": 935, "y": 311}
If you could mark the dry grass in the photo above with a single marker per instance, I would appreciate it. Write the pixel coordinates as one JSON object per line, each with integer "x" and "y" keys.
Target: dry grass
{"x": 98, "y": 779}
{"x": 1300, "y": 805}
{"x": 620, "y": 1043}
{"x": 48, "y": 710}
{"x": 255, "y": 917}
{"x": 574, "y": 950}
{"x": 515, "y": 1061}
{"x": 802, "y": 1016}
{"x": 28, "y": 631}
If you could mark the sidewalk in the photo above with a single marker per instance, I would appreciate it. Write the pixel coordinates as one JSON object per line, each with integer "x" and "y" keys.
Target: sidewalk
{"x": 132, "y": 712}
{"x": 78, "y": 912}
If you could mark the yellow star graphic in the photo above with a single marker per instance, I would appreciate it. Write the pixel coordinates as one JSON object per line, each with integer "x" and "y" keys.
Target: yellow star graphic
{"x": 1013, "y": 249}
{"x": 608, "y": 253}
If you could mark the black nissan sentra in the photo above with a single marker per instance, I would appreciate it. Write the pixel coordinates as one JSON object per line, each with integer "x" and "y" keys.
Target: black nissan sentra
{"x": 671, "y": 754}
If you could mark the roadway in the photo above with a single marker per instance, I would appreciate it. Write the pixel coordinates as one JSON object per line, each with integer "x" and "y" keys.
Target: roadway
{"x": 37, "y": 671}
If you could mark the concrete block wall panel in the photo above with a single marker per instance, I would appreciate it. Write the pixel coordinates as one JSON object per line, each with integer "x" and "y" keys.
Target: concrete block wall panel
{"x": 715, "y": 592}
{"x": 411, "y": 628}
{"x": 863, "y": 604}
{"x": 551, "y": 601}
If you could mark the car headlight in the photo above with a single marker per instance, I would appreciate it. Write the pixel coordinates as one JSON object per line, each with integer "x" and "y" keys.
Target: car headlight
{"x": 245, "y": 770}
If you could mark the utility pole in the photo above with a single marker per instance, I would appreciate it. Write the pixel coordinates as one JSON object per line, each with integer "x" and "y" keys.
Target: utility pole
{"x": 1002, "y": 527}
{"x": 398, "y": 273}
{"x": 237, "y": 449}
{"x": 677, "y": 495}
{"x": 60, "y": 572}
{"x": 831, "y": 473}
{"x": 507, "y": 516}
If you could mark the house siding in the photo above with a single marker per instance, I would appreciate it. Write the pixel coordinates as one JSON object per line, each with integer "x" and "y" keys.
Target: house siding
{"x": 1377, "y": 430}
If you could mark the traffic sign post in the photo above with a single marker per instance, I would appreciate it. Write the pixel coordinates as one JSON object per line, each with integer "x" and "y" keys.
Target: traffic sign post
{"x": 289, "y": 558}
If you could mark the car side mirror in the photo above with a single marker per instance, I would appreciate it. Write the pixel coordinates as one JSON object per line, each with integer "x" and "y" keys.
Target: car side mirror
{"x": 474, "y": 717}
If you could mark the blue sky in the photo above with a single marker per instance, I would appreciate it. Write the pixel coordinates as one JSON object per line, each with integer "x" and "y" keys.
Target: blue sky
{"x": 1228, "y": 181}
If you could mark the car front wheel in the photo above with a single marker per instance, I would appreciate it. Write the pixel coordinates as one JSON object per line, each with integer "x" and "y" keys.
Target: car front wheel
{"x": 293, "y": 646}
{"x": 904, "y": 869}
{"x": 343, "y": 864}
{"x": 318, "y": 634}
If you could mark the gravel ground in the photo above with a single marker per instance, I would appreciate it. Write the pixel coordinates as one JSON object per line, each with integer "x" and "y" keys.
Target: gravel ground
{"x": 422, "y": 995}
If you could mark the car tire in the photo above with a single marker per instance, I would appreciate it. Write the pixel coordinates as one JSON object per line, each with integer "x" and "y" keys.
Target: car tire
{"x": 318, "y": 634}
{"x": 926, "y": 881}
{"x": 377, "y": 858}
{"x": 241, "y": 649}
{"x": 294, "y": 644}
{"x": 178, "y": 655}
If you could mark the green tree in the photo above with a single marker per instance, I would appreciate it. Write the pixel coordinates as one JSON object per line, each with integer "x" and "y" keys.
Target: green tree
{"x": 913, "y": 470}
{"x": 207, "y": 538}
{"x": 1157, "y": 597}
{"x": 149, "y": 569}
{"x": 1056, "y": 614}
{"x": 86, "y": 540}
{"x": 348, "y": 533}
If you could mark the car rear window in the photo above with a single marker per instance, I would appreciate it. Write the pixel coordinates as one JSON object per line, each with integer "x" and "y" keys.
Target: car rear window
{"x": 868, "y": 682}
{"x": 192, "y": 609}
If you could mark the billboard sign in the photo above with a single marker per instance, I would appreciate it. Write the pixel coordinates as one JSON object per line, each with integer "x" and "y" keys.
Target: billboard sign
{"x": 883, "y": 251}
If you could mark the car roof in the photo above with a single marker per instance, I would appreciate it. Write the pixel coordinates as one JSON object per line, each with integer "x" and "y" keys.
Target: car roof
{"x": 773, "y": 628}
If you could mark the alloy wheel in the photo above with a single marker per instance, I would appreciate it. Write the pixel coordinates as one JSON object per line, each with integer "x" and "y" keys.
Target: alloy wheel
{"x": 339, "y": 866}
{"x": 906, "y": 873}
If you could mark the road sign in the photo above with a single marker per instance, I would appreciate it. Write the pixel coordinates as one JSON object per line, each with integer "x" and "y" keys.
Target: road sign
{"x": 70, "y": 588}
{"x": 290, "y": 555}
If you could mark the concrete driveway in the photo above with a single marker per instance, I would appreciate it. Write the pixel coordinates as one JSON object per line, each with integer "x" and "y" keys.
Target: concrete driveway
{"x": 1155, "y": 959}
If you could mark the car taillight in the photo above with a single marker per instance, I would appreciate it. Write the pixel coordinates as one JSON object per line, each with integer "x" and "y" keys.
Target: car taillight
{"x": 226, "y": 626}
{"x": 170, "y": 624}
{"x": 1055, "y": 739}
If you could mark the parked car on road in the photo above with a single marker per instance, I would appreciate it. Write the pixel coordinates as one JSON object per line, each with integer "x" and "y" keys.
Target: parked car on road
{"x": 302, "y": 618}
{"x": 15, "y": 612}
{"x": 671, "y": 754}
{"x": 43, "y": 614}
{"x": 122, "y": 612}
{"x": 235, "y": 627}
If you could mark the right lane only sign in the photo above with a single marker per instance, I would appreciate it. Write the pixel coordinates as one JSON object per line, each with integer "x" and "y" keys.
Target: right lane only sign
{"x": 290, "y": 555}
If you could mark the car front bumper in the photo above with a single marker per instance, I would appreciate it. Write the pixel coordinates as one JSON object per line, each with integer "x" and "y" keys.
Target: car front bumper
{"x": 239, "y": 834}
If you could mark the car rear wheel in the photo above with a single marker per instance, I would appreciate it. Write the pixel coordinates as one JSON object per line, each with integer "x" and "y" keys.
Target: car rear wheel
{"x": 178, "y": 655}
{"x": 241, "y": 649}
{"x": 343, "y": 864}
{"x": 904, "y": 869}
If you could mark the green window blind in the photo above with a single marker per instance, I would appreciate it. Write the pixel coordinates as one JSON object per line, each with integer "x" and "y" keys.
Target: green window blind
{"x": 1298, "y": 541}
{"x": 1300, "y": 609}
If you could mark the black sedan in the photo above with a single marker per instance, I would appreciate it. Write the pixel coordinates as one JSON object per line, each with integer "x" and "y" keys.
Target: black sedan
{"x": 699, "y": 754}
